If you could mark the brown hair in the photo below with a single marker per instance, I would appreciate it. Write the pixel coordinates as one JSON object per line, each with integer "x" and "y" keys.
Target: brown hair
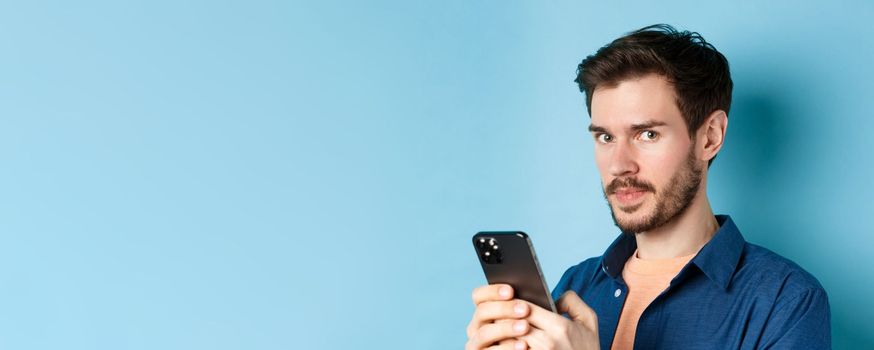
{"x": 697, "y": 71}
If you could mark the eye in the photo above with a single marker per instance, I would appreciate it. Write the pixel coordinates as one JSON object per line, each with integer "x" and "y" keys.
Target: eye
{"x": 603, "y": 138}
{"x": 649, "y": 135}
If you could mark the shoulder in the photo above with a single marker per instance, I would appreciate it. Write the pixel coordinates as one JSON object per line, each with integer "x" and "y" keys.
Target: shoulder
{"x": 773, "y": 276}
{"x": 793, "y": 306}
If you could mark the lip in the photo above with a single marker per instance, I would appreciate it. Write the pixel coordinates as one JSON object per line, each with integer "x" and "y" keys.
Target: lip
{"x": 629, "y": 196}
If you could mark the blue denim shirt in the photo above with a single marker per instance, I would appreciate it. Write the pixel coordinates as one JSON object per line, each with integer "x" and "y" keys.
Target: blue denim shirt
{"x": 731, "y": 295}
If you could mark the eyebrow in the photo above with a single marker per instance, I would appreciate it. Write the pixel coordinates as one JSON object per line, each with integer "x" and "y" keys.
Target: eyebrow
{"x": 649, "y": 124}
{"x": 595, "y": 128}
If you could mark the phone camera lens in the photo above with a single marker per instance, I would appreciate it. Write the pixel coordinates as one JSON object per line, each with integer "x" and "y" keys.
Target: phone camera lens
{"x": 490, "y": 251}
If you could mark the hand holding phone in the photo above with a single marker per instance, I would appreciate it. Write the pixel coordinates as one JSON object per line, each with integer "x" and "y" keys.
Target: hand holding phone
{"x": 502, "y": 320}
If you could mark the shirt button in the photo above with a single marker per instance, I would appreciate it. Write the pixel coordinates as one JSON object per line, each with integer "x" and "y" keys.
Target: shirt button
{"x": 617, "y": 293}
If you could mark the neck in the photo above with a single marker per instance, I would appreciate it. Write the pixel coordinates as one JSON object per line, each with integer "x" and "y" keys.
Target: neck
{"x": 682, "y": 236}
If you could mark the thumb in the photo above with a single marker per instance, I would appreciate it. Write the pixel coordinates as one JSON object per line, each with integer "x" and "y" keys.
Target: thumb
{"x": 571, "y": 304}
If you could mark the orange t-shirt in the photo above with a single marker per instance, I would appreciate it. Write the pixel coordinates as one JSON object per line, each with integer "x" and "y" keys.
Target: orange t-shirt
{"x": 646, "y": 279}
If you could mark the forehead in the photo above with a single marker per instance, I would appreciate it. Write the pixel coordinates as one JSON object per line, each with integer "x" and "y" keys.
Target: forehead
{"x": 632, "y": 101}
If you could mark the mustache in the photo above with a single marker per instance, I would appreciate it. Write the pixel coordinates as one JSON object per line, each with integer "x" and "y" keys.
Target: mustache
{"x": 620, "y": 182}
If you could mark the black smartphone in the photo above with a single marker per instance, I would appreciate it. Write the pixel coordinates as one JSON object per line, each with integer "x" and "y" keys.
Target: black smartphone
{"x": 508, "y": 257}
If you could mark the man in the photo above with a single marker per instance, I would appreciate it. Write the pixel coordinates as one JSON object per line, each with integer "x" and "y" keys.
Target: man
{"x": 677, "y": 277}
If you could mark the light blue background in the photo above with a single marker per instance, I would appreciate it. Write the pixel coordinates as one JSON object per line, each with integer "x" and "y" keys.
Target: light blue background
{"x": 273, "y": 175}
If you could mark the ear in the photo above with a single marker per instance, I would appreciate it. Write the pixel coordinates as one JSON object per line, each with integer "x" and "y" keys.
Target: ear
{"x": 711, "y": 135}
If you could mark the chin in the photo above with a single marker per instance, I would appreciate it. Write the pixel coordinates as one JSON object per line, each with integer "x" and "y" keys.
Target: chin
{"x": 633, "y": 218}
{"x": 630, "y": 220}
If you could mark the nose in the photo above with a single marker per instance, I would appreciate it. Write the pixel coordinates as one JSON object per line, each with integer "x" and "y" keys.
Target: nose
{"x": 622, "y": 161}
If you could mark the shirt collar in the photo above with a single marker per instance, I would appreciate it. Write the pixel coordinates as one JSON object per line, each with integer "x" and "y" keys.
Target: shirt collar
{"x": 717, "y": 259}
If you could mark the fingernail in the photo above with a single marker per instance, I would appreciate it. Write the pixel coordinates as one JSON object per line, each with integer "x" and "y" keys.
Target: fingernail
{"x": 519, "y": 326}
{"x": 519, "y": 309}
{"x": 520, "y": 345}
{"x": 504, "y": 292}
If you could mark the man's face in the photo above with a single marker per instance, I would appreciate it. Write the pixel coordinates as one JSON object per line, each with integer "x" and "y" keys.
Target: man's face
{"x": 644, "y": 153}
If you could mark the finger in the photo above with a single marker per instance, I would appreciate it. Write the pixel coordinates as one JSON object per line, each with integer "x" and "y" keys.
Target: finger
{"x": 492, "y": 292}
{"x": 538, "y": 339}
{"x": 471, "y": 330}
{"x": 543, "y": 318}
{"x": 494, "y": 310}
{"x": 489, "y": 311}
{"x": 571, "y": 303}
{"x": 495, "y": 332}
{"x": 510, "y": 344}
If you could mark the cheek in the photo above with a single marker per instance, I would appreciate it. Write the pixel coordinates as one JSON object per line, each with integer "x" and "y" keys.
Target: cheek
{"x": 660, "y": 165}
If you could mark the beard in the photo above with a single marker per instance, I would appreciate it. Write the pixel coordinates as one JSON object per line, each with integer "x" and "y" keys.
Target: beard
{"x": 676, "y": 197}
